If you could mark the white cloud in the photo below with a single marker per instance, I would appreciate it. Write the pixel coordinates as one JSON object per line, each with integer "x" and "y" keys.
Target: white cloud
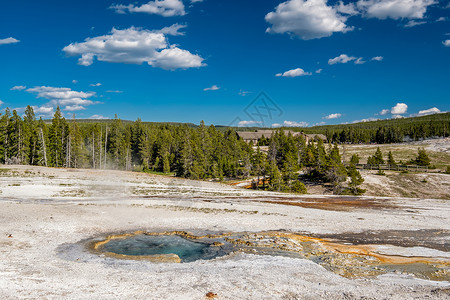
{"x": 318, "y": 71}
{"x": 291, "y": 124}
{"x": 441, "y": 19}
{"x": 196, "y": 1}
{"x": 74, "y": 81}
{"x": 320, "y": 123}
{"x": 310, "y": 19}
{"x": 413, "y": 23}
{"x": 397, "y": 117}
{"x": 377, "y": 58}
{"x": 446, "y": 43}
{"x": 333, "y": 116}
{"x": 244, "y": 93}
{"x": 430, "y": 111}
{"x": 165, "y": 8}
{"x": 359, "y": 61}
{"x": 341, "y": 59}
{"x": 18, "y": 88}
{"x": 1, "y": 102}
{"x": 74, "y": 107}
{"x": 134, "y": 46}
{"x": 95, "y": 84}
{"x": 114, "y": 91}
{"x": 43, "y": 111}
{"x": 246, "y": 123}
{"x": 294, "y": 73}
{"x": 384, "y": 112}
{"x": 172, "y": 30}
{"x": 98, "y": 117}
{"x": 399, "y": 109}
{"x": 347, "y": 9}
{"x": 213, "y": 88}
{"x": 65, "y": 97}
{"x": 9, "y": 40}
{"x": 365, "y": 120}
{"x": 394, "y": 9}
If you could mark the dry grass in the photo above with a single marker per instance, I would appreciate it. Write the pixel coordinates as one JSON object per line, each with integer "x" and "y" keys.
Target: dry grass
{"x": 401, "y": 152}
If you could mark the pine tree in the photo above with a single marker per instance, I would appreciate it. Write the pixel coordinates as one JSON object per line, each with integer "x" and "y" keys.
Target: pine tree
{"x": 58, "y": 134}
{"x": 355, "y": 180}
{"x": 422, "y": 158}
{"x": 391, "y": 160}
{"x": 354, "y": 159}
{"x": 276, "y": 182}
{"x": 31, "y": 136}
{"x": 5, "y": 143}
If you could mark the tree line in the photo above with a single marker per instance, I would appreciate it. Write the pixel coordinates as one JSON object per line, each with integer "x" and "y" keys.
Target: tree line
{"x": 192, "y": 152}
{"x": 385, "y": 131}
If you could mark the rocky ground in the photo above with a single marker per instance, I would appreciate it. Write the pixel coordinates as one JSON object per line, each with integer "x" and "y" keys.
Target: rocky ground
{"x": 48, "y": 216}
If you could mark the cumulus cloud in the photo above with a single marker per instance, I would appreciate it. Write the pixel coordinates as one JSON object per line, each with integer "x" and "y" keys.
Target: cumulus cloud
{"x": 307, "y": 19}
{"x": 377, "y": 58}
{"x": 333, "y": 116}
{"x": 384, "y": 112}
{"x": 430, "y": 111}
{"x": 446, "y": 43}
{"x": 213, "y": 88}
{"x": 114, "y": 91}
{"x": 1, "y": 102}
{"x": 44, "y": 111}
{"x": 347, "y": 9}
{"x": 247, "y": 123}
{"x": 318, "y": 71}
{"x": 66, "y": 98}
{"x": 399, "y": 109}
{"x": 18, "y": 88}
{"x": 9, "y": 40}
{"x": 134, "y": 46}
{"x": 95, "y": 84}
{"x": 291, "y": 124}
{"x": 293, "y": 73}
{"x": 341, "y": 59}
{"x": 165, "y": 8}
{"x": 394, "y": 9}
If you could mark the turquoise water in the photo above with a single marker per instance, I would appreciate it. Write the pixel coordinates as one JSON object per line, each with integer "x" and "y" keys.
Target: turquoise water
{"x": 167, "y": 244}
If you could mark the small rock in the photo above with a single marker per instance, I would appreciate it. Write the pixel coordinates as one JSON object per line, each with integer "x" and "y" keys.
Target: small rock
{"x": 10, "y": 236}
{"x": 211, "y": 295}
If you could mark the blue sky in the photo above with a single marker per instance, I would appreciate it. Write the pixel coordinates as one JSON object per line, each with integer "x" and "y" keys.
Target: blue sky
{"x": 319, "y": 62}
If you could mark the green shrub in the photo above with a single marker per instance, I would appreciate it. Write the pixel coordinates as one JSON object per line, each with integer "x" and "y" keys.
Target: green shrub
{"x": 299, "y": 188}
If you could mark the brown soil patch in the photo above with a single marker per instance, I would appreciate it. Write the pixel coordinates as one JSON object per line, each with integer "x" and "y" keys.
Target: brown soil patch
{"x": 337, "y": 203}
{"x": 430, "y": 238}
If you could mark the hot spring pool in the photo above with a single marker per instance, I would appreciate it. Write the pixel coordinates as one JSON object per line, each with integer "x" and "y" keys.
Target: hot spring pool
{"x": 145, "y": 245}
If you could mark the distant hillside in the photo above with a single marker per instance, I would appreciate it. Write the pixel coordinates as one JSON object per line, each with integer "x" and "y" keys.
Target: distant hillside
{"x": 380, "y": 131}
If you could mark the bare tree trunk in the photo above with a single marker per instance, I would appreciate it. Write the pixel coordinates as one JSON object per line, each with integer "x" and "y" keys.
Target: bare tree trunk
{"x": 43, "y": 146}
{"x": 68, "y": 152}
{"x": 19, "y": 150}
{"x": 106, "y": 142}
{"x": 93, "y": 151}
{"x": 100, "y": 147}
